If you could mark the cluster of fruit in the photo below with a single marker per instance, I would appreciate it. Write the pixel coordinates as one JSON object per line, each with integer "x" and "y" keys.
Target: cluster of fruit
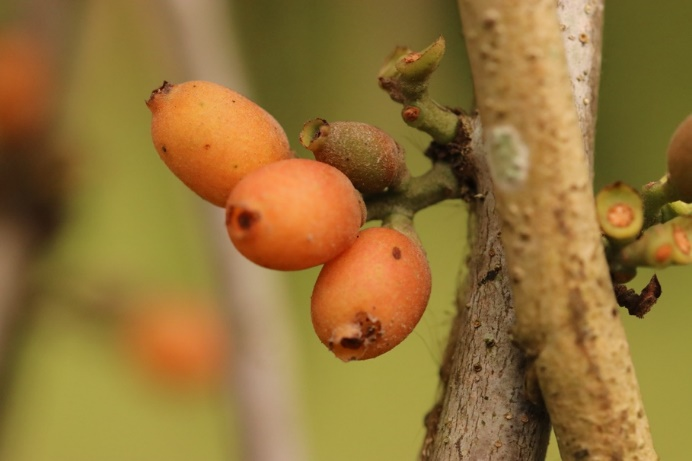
{"x": 289, "y": 213}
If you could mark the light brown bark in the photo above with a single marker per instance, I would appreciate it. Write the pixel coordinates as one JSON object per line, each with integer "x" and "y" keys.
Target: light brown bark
{"x": 567, "y": 319}
{"x": 484, "y": 412}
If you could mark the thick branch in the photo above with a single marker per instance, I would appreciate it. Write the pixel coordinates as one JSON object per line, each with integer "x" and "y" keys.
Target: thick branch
{"x": 483, "y": 412}
{"x": 566, "y": 315}
{"x": 581, "y": 23}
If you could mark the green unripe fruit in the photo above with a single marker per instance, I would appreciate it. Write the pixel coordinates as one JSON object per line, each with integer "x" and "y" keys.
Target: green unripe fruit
{"x": 368, "y": 156}
{"x": 680, "y": 160}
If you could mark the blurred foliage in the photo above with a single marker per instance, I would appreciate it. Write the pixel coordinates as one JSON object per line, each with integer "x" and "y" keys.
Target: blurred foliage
{"x": 74, "y": 397}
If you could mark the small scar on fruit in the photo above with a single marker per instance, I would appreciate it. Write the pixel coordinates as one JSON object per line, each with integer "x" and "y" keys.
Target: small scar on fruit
{"x": 246, "y": 219}
{"x": 243, "y": 219}
{"x": 370, "y": 328}
{"x": 396, "y": 252}
{"x": 163, "y": 148}
{"x": 351, "y": 343}
{"x": 207, "y": 146}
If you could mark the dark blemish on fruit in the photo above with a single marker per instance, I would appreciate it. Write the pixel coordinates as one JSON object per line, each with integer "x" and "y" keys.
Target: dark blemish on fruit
{"x": 370, "y": 327}
{"x": 163, "y": 148}
{"x": 351, "y": 343}
{"x": 246, "y": 219}
{"x": 240, "y": 218}
{"x": 396, "y": 252}
{"x": 207, "y": 146}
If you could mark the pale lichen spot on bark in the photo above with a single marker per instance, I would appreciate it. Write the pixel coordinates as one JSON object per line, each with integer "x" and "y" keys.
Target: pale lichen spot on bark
{"x": 508, "y": 157}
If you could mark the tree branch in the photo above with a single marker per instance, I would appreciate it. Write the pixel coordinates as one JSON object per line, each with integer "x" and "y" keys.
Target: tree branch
{"x": 567, "y": 319}
{"x": 581, "y": 23}
{"x": 264, "y": 385}
{"x": 483, "y": 412}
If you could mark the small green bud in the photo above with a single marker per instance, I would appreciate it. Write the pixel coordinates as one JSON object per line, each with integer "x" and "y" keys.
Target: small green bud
{"x": 368, "y": 156}
{"x": 675, "y": 209}
{"x": 661, "y": 245}
{"x": 405, "y": 72}
{"x": 653, "y": 249}
{"x": 620, "y": 212}
{"x": 680, "y": 160}
{"x": 681, "y": 228}
{"x": 420, "y": 65}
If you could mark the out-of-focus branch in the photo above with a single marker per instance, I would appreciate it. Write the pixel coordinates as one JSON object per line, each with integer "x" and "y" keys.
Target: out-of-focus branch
{"x": 18, "y": 242}
{"x": 264, "y": 378}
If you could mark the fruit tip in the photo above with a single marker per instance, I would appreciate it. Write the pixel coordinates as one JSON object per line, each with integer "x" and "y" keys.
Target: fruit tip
{"x": 163, "y": 89}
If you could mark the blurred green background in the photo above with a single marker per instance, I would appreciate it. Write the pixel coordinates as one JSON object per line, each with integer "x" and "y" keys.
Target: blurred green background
{"x": 73, "y": 393}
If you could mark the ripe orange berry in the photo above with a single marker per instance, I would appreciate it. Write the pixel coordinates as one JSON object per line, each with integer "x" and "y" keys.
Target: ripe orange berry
{"x": 210, "y": 136}
{"x": 26, "y": 86}
{"x": 293, "y": 214}
{"x": 178, "y": 341}
{"x": 369, "y": 298}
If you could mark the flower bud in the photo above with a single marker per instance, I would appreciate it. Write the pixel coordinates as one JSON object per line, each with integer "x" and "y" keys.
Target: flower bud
{"x": 368, "y": 156}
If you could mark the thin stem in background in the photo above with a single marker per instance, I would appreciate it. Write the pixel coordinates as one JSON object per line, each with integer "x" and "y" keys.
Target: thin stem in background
{"x": 264, "y": 379}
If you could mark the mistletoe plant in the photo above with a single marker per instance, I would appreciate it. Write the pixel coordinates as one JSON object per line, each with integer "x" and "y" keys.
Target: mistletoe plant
{"x": 520, "y": 161}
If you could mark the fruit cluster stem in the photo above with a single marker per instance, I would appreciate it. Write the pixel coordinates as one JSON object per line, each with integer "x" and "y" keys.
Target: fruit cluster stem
{"x": 437, "y": 184}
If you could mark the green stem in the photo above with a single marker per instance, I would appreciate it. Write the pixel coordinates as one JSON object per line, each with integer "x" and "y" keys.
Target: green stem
{"x": 405, "y": 78}
{"x": 655, "y": 196}
{"x": 437, "y": 184}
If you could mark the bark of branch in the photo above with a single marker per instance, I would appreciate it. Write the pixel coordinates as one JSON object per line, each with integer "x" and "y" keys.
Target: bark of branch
{"x": 567, "y": 319}
{"x": 581, "y": 23}
{"x": 484, "y": 412}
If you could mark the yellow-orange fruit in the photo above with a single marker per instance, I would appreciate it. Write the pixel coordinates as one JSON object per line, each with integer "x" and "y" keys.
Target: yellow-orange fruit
{"x": 179, "y": 341}
{"x": 26, "y": 86}
{"x": 293, "y": 214}
{"x": 370, "y": 298}
{"x": 210, "y": 136}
